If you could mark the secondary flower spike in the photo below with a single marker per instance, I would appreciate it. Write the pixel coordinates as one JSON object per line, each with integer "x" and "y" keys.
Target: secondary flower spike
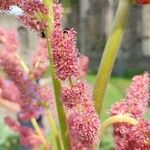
{"x": 134, "y": 104}
{"x": 64, "y": 53}
{"x": 84, "y": 129}
{"x": 64, "y": 50}
{"x": 34, "y": 15}
{"x": 142, "y": 1}
{"x": 136, "y": 98}
{"x": 39, "y": 60}
{"x": 27, "y": 136}
{"x": 78, "y": 93}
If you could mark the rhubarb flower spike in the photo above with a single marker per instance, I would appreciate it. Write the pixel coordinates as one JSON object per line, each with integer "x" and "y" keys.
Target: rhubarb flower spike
{"x": 27, "y": 136}
{"x": 34, "y": 15}
{"x": 9, "y": 90}
{"x": 30, "y": 92}
{"x": 83, "y": 121}
{"x": 136, "y": 99}
{"x": 64, "y": 50}
{"x": 39, "y": 60}
{"x": 78, "y": 93}
{"x": 84, "y": 129}
{"x": 64, "y": 53}
{"x": 134, "y": 104}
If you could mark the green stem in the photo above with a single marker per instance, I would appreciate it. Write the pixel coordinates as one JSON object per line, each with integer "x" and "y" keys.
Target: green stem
{"x": 110, "y": 53}
{"x": 56, "y": 82}
{"x": 54, "y": 130}
{"x": 70, "y": 81}
{"x": 59, "y": 105}
{"x": 61, "y": 113}
{"x": 121, "y": 118}
{"x": 39, "y": 132}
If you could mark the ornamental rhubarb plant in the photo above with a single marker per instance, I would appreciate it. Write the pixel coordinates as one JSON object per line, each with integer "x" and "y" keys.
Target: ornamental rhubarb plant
{"x": 79, "y": 125}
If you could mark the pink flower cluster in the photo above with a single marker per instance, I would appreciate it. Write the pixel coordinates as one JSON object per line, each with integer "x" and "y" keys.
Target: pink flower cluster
{"x": 39, "y": 60}
{"x": 64, "y": 53}
{"x": 83, "y": 67}
{"x": 45, "y": 93}
{"x": 9, "y": 91}
{"x": 6, "y": 4}
{"x": 20, "y": 88}
{"x": 29, "y": 91}
{"x": 27, "y": 135}
{"x": 64, "y": 48}
{"x": 58, "y": 11}
{"x": 136, "y": 98}
{"x": 34, "y": 14}
{"x": 83, "y": 121}
{"x": 84, "y": 129}
{"x": 129, "y": 137}
{"x": 134, "y": 104}
{"x": 79, "y": 93}
{"x": 7, "y": 37}
{"x": 11, "y": 65}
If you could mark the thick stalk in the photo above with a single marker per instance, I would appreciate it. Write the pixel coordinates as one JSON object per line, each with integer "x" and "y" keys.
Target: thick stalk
{"x": 54, "y": 130}
{"x": 110, "y": 53}
{"x": 117, "y": 119}
{"x": 56, "y": 82}
{"x": 39, "y": 133}
{"x": 59, "y": 105}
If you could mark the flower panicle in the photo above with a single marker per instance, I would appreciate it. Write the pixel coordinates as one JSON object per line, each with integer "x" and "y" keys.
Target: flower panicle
{"x": 78, "y": 93}
{"x": 64, "y": 50}
{"x": 58, "y": 11}
{"x": 83, "y": 67}
{"x": 84, "y": 129}
{"x": 64, "y": 53}
{"x": 34, "y": 15}
{"x": 83, "y": 121}
{"x": 12, "y": 41}
{"x": 9, "y": 40}
{"x": 39, "y": 60}
{"x": 29, "y": 91}
{"x": 9, "y": 90}
{"x": 134, "y": 104}
{"x": 136, "y": 98}
{"x": 27, "y": 136}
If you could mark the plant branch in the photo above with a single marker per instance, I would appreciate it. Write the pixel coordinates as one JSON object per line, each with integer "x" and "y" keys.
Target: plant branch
{"x": 117, "y": 119}
{"x": 54, "y": 130}
{"x": 56, "y": 82}
{"x": 110, "y": 53}
{"x": 39, "y": 132}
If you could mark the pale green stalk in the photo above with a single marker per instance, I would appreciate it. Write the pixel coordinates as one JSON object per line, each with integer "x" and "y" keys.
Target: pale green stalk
{"x": 39, "y": 133}
{"x": 117, "y": 119}
{"x": 56, "y": 82}
{"x": 110, "y": 53}
{"x": 59, "y": 105}
{"x": 54, "y": 130}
